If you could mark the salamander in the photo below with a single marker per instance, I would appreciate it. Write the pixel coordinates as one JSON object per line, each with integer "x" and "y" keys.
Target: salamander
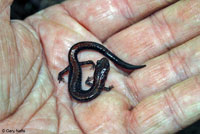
{"x": 102, "y": 68}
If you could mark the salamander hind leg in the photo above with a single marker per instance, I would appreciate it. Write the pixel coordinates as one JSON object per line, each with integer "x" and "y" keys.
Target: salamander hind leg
{"x": 88, "y": 81}
{"x": 108, "y": 88}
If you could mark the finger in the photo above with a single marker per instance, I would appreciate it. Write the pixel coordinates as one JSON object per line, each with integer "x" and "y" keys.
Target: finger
{"x": 56, "y": 35}
{"x": 168, "y": 111}
{"x": 166, "y": 70}
{"x": 4, "y": 4}
{"x": 105, "y": 17}
{"x": 158, "y": 33}
{"x": 36, "y": 108}
{"x": 7, "y": 53}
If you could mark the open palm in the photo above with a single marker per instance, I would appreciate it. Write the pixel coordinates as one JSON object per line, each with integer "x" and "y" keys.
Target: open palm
{"x": 161, "y": 98}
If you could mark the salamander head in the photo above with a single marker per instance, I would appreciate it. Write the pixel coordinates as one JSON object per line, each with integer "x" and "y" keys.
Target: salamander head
{"x": 101, "y": 70}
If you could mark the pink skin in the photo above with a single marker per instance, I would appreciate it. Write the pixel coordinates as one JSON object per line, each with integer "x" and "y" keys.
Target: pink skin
{"x": 160, "y": 98}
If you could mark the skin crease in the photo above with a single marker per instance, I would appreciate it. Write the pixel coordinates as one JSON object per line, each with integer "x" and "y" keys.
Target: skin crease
{"x": 161, "y": 98}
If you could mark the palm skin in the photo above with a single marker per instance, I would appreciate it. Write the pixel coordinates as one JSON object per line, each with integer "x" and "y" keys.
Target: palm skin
{"x": 161, "y": 98}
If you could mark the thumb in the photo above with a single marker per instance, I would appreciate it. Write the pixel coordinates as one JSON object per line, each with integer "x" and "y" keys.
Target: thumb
{"x": 5, "y": 9}
{"x": 20, "y": 60}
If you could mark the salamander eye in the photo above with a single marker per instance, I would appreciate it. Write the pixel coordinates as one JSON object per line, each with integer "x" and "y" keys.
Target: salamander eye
{"x": 103, "y": 60}
{"x": 103, "y": 63}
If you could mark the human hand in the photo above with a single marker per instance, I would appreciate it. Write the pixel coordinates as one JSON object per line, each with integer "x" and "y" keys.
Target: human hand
{"x": 161, "y": 98}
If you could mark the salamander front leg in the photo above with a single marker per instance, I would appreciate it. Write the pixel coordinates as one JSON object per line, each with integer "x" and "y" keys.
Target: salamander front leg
{"x": 87, "y": 62}
{"x": 60, "y": 75}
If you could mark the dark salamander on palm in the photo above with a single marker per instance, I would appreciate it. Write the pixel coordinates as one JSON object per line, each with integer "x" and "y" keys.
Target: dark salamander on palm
{"x": 102, "y": 68}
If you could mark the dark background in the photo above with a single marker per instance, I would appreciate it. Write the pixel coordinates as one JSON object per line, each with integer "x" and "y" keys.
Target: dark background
{"x": 20, "y": 9}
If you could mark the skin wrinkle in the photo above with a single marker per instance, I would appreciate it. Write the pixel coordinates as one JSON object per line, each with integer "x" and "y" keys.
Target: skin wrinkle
{"x": 108, "y": 14}
{"x": 69, "y": 109}
{"x": 37, "y": 110}
{"x": 170, "y": 92}
{"x": 98, "y": 15}
{"x": 8, "y": 84}
{"x": 69, "y": 15}
{"x": 6, "y": 4}
{"x": 172, "y": 110}
{"x": 148, "y": 120}
{"x": 49, "y": 130}
{"x": 53, "y": 59}
{"x": 188, "y": 119}
{"x": 126, "y": 7}
{"x": 154, "y": 6}
{"x": 40, "y": 130}
{"x": 127, "y": 15}
{"x": 41, "y": 118}
{"x": 36, "y": 57}
{"x": 68, "y": 28}
{"x": 15, "y": 44}
{"x": 26, "y": 26}
{"x": 30, "y": 70}
{"x": 77, "y": 122}
{"x": 177, "y": 57}
{"x": 96, "y": 129}
{"x": 133, "y": 95}
{"x": 45, "y": 56}
{"x": 169, "y": 20}
{"x": 58, "y": 115}
{"x": 132, "y": 99}
{"x": 174, "y": 68}
{"x": 22, "y": 102}
{"x": 54, "y": 22}
{"x": 79, "y": 22}
{"x": 186, "y": 68}
{"x": 170, "y": 32}
{"x": 197, "y": 80}
{"x": 132, "y": 118}
{"x": 34, "y": 82}
{"x": 134, "y": 89}
{"x": 131, "y": 14}
{"x": 186, "y": 14}
{"x": 9, "y": 87}
{"x": 186, "y": 59}
{"x": 157, "y": 23}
